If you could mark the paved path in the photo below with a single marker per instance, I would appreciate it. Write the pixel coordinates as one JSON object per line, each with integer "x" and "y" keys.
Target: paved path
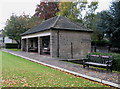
{"x": 96, "y": 73}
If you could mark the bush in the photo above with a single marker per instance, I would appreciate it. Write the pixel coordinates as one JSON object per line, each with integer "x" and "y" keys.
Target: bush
{"x": 11, "y": 45}
{"x": 115, "y": 43}
{"x": 100, "y": 43}
{"x": 116, "y": 61}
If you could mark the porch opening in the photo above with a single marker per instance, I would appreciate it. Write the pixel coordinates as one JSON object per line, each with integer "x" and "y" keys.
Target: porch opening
{"x": 33, "y": 46}
{"x": 45, "y": 46}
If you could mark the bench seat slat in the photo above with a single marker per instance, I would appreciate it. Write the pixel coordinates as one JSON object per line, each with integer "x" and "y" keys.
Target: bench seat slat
{"x": 97, "y": 64}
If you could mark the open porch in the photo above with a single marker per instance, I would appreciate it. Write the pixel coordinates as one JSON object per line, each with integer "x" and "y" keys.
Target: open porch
{"x": 39, "y": 44}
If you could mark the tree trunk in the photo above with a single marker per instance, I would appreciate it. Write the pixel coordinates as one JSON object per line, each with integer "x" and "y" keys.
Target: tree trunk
{"x": 19, "y": 43}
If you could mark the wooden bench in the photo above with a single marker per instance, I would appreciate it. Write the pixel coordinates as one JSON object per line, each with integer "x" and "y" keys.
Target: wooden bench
{"x": 99, "y": 61}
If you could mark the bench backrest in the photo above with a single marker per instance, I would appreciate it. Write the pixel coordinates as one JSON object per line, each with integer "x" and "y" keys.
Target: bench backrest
{"x": 99, "y": 58}
{"x": 106, "y": 58}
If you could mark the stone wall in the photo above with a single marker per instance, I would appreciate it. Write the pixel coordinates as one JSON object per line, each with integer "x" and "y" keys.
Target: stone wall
{"x": 53, "y": 44}
{"x": 72, "y": 44}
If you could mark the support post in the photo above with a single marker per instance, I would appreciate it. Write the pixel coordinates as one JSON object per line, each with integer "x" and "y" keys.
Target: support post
{"x": 27, "y": 45}
{"x": 22, "y": 44}
{"x": 39, "y": 45}
{"x": 71, "y": 50}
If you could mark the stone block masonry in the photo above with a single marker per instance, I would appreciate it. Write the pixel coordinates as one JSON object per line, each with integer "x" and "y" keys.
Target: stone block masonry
{"x": 70, "y": 44}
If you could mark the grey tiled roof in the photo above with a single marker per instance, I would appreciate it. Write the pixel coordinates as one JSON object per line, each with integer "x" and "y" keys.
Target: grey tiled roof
{"x": 57, "y": 22}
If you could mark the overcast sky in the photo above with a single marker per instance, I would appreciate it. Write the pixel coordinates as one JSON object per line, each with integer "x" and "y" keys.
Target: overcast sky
{"x": 7, "y": 7}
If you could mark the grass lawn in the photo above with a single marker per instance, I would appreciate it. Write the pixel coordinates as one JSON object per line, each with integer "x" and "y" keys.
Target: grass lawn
{"x": 18, "y": 72}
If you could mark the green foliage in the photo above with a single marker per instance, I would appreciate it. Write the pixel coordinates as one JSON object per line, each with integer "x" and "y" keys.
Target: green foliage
{"x": 90, "y": 21}
{"x": 116, "y": 62}
{"x": 98, "y": 26}
{"x": 109, "y": 23}
{"x": 17, "y": 25}
{"x": 100, "y": 42}
{"x": 97, "y": 35}
{"x": 18, "y": 72}
{"x": 75, "y": 10}
{"x": 90, "y": 15}
{"x": 104, "y": 23}
{"x": 82, "y": 6}
{"x": 68, "y": 9}
{"x": 11, "y": 45}
{"x": 33, "y": 21}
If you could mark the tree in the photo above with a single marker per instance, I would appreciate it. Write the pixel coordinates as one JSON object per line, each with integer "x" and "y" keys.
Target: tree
{"x": 69, "y": 10}
{"x": 103, "y": 22}
{"x": 82, "y": 6}
{"x": 80, "y": 12}
{"x": 33, "y": 21}
{"x": 110, "y": 23}
{"x": 17, "y": 25}
{"x": 90, "y": 15}
{"x": 46, "y": 9}
{"x": 72, "y": 10}
{"x": 90, "y": 19}
{"x": 115, "y": 31}
{"x": 98, "y": 33}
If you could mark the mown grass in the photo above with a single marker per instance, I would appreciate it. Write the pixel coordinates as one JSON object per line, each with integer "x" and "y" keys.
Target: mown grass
{"x": 18, "y": 72}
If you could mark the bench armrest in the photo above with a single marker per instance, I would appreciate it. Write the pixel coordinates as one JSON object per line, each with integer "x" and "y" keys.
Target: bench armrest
{"x": 84, "y": 59}
{"x": 109, "y": 62}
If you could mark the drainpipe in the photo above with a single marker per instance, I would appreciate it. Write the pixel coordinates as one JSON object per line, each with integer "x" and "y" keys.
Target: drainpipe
{"x": 58, "y": 43}
{"x": 71, "y": 50}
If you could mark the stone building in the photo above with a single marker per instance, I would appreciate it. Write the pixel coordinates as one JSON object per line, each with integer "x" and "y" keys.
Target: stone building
{"x": 59, "y": 37}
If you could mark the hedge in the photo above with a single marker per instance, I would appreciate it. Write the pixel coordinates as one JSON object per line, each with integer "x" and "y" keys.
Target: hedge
{"x": 100, "y": 43}
{"x": 11, "y": 45}
{"x": 116, "y": 61}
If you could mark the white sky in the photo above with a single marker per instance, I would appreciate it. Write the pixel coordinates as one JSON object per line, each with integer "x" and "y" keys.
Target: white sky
{"x": 7, "y": 7}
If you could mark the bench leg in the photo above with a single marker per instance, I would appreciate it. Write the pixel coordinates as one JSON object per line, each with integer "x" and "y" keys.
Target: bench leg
{"x": 109, "y": 68}
{"x": 83, "y": 65}
{"x": 88, "y": 66}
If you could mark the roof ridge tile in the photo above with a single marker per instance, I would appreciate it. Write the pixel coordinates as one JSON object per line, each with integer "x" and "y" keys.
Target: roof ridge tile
{"x": 55, "y": 21}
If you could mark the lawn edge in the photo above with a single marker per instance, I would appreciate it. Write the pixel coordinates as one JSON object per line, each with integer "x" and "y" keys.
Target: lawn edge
{"x": 68, "y": 71}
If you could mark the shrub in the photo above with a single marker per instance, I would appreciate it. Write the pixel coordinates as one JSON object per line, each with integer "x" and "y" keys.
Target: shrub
{"x": 100, "y": 43}
{"x": 115, "y": 43}
{"x": 116, "y": 61}
{"x": 11, "y": 45}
